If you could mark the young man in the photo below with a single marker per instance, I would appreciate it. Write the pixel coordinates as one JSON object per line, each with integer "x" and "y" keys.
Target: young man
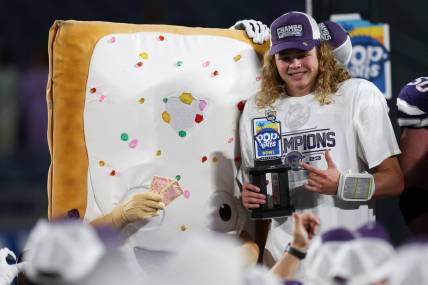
{"x": 330, "y": 124}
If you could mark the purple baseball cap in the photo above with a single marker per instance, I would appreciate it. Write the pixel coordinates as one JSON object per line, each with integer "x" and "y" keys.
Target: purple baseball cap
{"x": 332, "y": 33}
{"x": 338, "y": 40}
{"x": 294, "y": 30}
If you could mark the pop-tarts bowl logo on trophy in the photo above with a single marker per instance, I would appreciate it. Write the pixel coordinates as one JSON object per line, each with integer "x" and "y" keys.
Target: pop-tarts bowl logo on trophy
{"x": 267, "y": 138}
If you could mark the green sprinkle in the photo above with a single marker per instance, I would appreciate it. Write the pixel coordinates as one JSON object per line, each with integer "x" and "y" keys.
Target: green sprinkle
{"x": 124, "y": 137}
{"x": 182, "y": 134}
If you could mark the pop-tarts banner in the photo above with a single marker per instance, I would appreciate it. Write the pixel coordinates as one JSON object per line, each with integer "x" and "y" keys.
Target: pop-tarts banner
{"x": 371, "y": 53}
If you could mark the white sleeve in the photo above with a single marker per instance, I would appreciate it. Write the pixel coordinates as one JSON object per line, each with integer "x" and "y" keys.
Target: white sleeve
{"x": 246, "y": 143}
{"x": 375, "y": 134}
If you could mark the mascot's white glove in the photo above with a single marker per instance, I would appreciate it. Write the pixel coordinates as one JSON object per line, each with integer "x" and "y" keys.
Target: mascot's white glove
{"x": 256, "y": 30}
{"x": 8, "y": 272}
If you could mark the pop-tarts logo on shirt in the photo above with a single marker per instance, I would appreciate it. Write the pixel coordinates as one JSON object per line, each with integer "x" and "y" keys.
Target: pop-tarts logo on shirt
{"x": 289, "y": 31}
{"x": 267, "y": 138}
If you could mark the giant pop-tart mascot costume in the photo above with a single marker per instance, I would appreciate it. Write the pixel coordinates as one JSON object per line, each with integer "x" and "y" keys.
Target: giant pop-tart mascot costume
{"x": 148, "y": 108}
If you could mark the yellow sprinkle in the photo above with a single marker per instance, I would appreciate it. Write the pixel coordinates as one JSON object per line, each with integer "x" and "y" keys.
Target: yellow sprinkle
{"x": 183, "y": 228}
{"x": 186, "y": 98}
{"x": 141, "y": 100}
{"x": 237, "y": 57}
{"x": 101, "y": 163}
{"x": 143, "y": 55}
{"x": 166, "y": 117}
{"x": 158, "y": 152}
{"x": 215, "y": 159}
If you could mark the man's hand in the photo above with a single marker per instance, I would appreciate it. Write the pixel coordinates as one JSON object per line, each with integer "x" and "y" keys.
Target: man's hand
{"x": 323, "y": 181}
{"x": 305, "y": 226}
{"x": 251, "y": 199}
{"x": 255, "y": 30}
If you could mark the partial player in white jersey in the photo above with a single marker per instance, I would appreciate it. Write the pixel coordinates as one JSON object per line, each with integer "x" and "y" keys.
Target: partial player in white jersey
{"x": 330, "y": 125}
{"x": 412, "y": 104}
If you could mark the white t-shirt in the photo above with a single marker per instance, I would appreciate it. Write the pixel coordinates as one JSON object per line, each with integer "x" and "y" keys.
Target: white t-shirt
{"x": 357, "y": 130}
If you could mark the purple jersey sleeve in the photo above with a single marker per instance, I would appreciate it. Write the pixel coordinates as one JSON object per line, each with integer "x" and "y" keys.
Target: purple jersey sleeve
{"x": 412, "y": 103}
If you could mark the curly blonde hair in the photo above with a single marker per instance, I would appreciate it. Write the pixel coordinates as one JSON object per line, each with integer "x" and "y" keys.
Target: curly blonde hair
{"x": 330, "y": 75}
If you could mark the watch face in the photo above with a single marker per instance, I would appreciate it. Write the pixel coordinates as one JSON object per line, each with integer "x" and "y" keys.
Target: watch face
{"x": 357, "y": 188}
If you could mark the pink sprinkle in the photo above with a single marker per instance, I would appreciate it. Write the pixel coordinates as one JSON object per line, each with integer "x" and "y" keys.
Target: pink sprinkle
{"x": 133, "y": 143}
{"x": 206, "y": 63}
{"x": 202, "y": 104}
{"x": 111, "y": 40}
{"x": 258, "y": 77}
{"x": 186, "y": 194}
{"x": 230, "y": 140}
{"x": 102, "y": 97}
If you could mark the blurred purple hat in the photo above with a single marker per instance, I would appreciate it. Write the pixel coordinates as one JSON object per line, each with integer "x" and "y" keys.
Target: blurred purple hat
{"x": 338, "y": 40}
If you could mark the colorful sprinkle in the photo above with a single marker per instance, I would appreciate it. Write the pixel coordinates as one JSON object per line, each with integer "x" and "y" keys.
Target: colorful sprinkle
{"x": 237, "y": 57}
{"x": 179, "y": 63}
{"x": 178, "y": 177}
{"x": 186, "y": 194}
{"x": 206, "y": 63}
{"x": 258, "y": 77}
{"x": 141, "y": 100}
{"x": 161, "y": 38}
{"x": 143, "y": 55}
{"x": 204, "y": 158}
{"x": 241, "y": 105}
{"x": 202, "y": 104}
{"x": 111, "y": 40}
{"x": 101, "y": 163}
{"x": 101, "y": 98}
{"x": 158, "y": 152}
{"x": 230, "y": 140}
{"x": 215, "y": 73}
{"x": 183, "y": 228}
{"x": 113, "y": 173}
{"x": 139, "y": 64}
{"x": 165, "y": 100}
{"x": 166, "y": 117}
{"x": 182, "y": 134}
{"x": 199, "y": 118}
{"x": 186, "y": 98}
{"x": 93, "y": 90}
{"x": 215, "y": 159}
{"x": 124, "y": 136}
{"x": 133, "y": 143}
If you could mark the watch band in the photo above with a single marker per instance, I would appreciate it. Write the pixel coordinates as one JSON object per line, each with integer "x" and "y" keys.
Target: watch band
{"x": 294, "y": 251}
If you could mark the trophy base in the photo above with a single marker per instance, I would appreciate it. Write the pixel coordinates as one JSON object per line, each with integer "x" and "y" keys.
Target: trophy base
{"x": 259, "y": 214}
